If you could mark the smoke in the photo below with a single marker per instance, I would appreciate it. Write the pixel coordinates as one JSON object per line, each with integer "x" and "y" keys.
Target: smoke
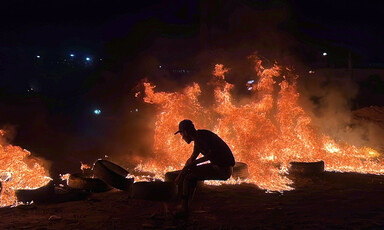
{"x": 330, "y": 104}
{"x": 8, "y": 134}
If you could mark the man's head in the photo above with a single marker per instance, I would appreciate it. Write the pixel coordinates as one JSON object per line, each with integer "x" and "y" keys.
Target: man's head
{"x": 187, "y": 130}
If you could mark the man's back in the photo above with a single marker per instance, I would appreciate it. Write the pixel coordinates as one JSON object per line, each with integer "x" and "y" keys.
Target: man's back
{"x": 213, "y": 147}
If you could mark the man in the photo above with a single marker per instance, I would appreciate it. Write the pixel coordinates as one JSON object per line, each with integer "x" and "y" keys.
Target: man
{"x": 213, "y": 149}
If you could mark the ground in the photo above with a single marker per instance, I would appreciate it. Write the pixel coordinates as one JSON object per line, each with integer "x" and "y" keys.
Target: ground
{"x": 329, "y": 201}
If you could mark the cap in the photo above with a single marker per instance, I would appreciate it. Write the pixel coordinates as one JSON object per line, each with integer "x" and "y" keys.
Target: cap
{"x": 185, "y": 125}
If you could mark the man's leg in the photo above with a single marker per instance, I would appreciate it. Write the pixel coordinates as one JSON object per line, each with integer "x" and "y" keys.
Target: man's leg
{"x": 201, "y": 172}
{"x": 188, "y": 190}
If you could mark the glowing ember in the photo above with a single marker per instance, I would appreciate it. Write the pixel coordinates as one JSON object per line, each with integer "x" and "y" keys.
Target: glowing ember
{"x": 84, "y": 166}
{"x": 65, "y": 176}
{"x": 21, "y": 175}
{"x": 267, "y": 133}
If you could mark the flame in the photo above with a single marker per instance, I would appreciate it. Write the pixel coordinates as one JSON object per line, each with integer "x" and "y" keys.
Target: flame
{"x": 84, "y": 166}
{"x": 19, "y": 174}
{"x": 267, "y": 133}
{"x": 65, "y": 177}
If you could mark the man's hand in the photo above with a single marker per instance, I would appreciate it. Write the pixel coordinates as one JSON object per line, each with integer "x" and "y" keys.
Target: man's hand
{"x": 177, "y": 179}
{"x": 188, "y": 163}
{"x": 187, "y": 166}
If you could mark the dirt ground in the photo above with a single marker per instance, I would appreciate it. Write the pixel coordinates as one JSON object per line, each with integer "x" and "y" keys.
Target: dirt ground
{"x": 329, "y": 201}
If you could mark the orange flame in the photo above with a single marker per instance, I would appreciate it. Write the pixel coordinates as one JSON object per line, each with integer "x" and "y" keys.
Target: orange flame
{"x": 267, "y": 133}
{"x": 84, "y": 166}
{"x": 20, "y": 175}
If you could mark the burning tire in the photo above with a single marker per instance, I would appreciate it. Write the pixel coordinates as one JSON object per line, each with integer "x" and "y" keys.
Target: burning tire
{"x": 39, "y": 195}
{"x": 156, "y": 190}
{"x": 306, "y": 168}
{"x": 87, "y": 182}
{"x": 113, "y": 175}
{"x": 240, "y": 170}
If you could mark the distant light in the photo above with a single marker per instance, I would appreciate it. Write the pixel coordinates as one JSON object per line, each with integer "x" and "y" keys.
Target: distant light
{"x": 325, "y": 54}
{"x": 101, "y": 59}
{"x": 38, "y": 56}
{"x": 250, "y": 88}
{"x": 311, "y": 72}
{"x": 88, "y": 58}
{"x": 97, "y": 111}
{"x": 251, "y": 81}
{"x": 137, "y": 110}
{"x": 72, "y": 55}
{"x": 160, "y": 66}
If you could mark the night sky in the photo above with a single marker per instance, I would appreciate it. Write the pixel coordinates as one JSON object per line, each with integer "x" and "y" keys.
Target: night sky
{"x": 46, "y": 24}
{"x": 115, "y": 34}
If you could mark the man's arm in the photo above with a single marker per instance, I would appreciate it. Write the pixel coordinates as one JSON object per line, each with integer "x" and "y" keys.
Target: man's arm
{"x": 200, "y": 160}
{"x": 192, "y": 158}
{"x": 188, "y": 164}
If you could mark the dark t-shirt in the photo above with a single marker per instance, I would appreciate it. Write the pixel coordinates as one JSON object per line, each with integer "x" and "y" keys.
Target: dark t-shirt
{"x": 214, "y": 148}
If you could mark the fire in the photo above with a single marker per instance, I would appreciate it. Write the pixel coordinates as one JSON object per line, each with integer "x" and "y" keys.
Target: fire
{"x": 83, "y": 166}
{"x": 267, "y": 133}
{"x": 19, "y": 174}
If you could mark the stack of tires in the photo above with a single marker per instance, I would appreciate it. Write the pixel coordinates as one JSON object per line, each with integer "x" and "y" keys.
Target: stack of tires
{"x": 105, "y": 176}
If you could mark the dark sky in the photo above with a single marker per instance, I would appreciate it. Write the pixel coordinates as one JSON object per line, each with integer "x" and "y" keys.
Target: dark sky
{"x": 47, "y": 23}
{"x": 50, "y": 23}
{"x": 353, "y": 24}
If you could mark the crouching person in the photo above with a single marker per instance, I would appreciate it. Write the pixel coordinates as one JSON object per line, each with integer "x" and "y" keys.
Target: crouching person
{"x": 214, "y": 150}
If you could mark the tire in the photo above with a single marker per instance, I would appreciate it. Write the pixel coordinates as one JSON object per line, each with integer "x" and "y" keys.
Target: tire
{"x": 43, "y": 194}
{"x": 171, "y": 176}
{"x": 306, "y": 168}
{"x": 113, "y": 175}
{"x": 87, "y": 182}
{"x": 68, "y": 194}
{"x": 240, "y": 170}
{"x": 156, "y": 190}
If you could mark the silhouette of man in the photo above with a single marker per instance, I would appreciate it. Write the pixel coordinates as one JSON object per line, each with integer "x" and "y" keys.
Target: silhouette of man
{"x": 213, "y": 149}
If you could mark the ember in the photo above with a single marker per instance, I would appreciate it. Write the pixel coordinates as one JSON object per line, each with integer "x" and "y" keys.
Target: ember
{"x": 21, "y": 176}
{"x": 267, "y": 133}
{"x": 83, "y": 166}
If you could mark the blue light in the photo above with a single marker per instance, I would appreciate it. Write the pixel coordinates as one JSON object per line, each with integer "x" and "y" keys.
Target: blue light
{"x": 97, "y": 111}
{"x": 88, "y": 58}
{"x": 72, "y": 55}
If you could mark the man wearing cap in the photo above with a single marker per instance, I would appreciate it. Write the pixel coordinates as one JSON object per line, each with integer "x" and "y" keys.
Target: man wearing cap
{"x": 213, "y": 149}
